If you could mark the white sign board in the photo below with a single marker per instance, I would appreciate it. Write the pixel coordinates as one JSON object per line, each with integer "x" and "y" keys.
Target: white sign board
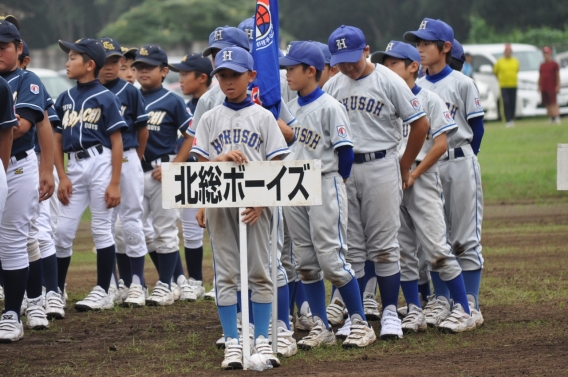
{"x": 562, "y": 167}
{"x": 254, "y": 184}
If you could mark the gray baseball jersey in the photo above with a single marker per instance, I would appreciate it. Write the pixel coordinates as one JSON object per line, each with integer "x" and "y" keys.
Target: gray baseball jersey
{"x": 375, "y": 104}
{"x": 287, "y": 93}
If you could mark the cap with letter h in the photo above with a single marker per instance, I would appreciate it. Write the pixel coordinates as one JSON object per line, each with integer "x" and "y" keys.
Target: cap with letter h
{"x": 248, "y": 26}
{"x": 111, "y": 46}
{"x": 227, "y": 36}
{"x": 88, "y": 46}
{"x": 346, "y": 45}
{"x": 431, "y": 30}
{"x": 304, "y": 52}
{"x": 234, "y": 58}
{"x": 397, "y": 50}
{"x": 151, "y": 55}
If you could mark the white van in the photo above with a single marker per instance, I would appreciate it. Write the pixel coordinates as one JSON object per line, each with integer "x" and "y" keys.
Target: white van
{"x": 530, "y": 57}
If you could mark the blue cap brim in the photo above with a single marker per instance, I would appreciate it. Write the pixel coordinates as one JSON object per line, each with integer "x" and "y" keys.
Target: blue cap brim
{"x": 219, "y": 46}
{"x": 4, "y": 39}
{"x": 379, "y": 56}
{"x": 113, "y": 53}
{"x": 148, "y": 61}
{"x": 352, "y": 56}
{"x": 286, "y": 61}
{"x": 67, "y": 46}
{"x": 231, "y": 66}
{"x": 415, "y": 36}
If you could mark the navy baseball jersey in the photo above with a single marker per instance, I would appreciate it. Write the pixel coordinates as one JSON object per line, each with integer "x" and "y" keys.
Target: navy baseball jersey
{"x": 191, "y": 105}
{"x": 89, "y": 114}
{"x": 30, "y": 98}
{"x": 132, "y": 108}
{"x": 53, "y": 119}
{"x": 167, "y": 114}
{"x": 7, "y": 115}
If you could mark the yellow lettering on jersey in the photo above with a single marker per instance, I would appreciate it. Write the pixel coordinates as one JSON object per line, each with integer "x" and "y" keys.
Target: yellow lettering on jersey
{"x": 156, "y": 118}
{"x": 307, "y": 136}
{"x": 15, "y": 95}
{"x": 90, "y": 116}
{"x": 123, "y": 109}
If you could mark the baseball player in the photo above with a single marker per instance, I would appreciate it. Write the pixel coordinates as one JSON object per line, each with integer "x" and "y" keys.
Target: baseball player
{"x": 24, "y": 180}
{"x": 375, "y": 99}
{"x": 90, "y": 134}
{"x": 130, "y": 242}
{"x": 459, "y": 168}
{"x": 168, "y": 114}
{"x": 318, "y": 232}
{"x": 234, "y": 67}
{"x": 127, "y": 73}
{"x": 421, "y": 215}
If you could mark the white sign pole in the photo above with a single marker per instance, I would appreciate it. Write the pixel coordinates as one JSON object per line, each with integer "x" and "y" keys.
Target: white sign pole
{"x": 562, "y": 167}
{"x": 244, "y": 287}
{"x": 274, "y": 264}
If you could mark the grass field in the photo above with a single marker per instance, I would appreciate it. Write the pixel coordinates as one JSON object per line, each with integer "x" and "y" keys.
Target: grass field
{"x": 524, "y": 298}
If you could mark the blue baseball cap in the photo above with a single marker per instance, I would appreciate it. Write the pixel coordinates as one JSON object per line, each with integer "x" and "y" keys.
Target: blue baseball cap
{"x": 151, "y": 55}
{"x": 398, "y": 50}
{"x": 8, "y": 32}
{"x": 306, "y": 52}
{"x": 325, "y": 50}
{"x": 25, "y": 49}
{"x": 111, "y": 46}
{"x": 89, "y": 46}
{"x": 431, "y": 30}
{"x": 234, "y": 58}
{"x": 248, "y": 27}
{"x": 227, "y": 36}
{"x": 346, "y": 45}
{"x": 457, "y": 51}
{"x": 193, "y": 62}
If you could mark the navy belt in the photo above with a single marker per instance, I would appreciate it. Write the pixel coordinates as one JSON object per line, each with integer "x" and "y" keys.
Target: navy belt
{"x": 20, "y": 156}
{"x": 365, "y": 157}
{"x": 458, "y": 152}
{"x": 84, "y": 154}
{"x": 147, "y": 166}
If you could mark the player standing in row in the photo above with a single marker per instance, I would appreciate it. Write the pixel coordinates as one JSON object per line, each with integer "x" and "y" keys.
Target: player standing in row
{"x": 422, "y": 210}
{"x": 127, "y": 73}
{"x": 130, "y": 243}
{"x": 459, "y": 168}
{"x": 375, "y": 99}
{"x": 168, "y": 114}
{"x": 90, "y": 134}
{"x": 234, "y": 69}
{"x": 318, "y": 233}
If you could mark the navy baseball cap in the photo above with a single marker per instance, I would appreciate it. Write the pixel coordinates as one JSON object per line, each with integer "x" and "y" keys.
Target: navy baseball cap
{"x": 431, "y": 30}
{"x": 305, "y": 52}
{"x": 227, "y": 36}
{"x": 151, "y": 55}
{"x": 9, "y": 32}
{"x": 398, "y": 50}
{"x": 193, "y": 62}
{"x": 248, "y": 27}
{"x": 457, "y": 51}
{"x": 346, "y": 45}
{"x": 25, "y": 49}
{"x": 11, "y": 19}
{"x": 111, "y": 46}
{"x": 128, "y": 53}
{"x": 234, "y": 58}
{"x": 89, "y": 46}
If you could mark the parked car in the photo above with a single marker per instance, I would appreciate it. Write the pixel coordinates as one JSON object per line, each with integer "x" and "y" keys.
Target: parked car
{"x": 562, "y": 59}
{"x": 53, "y": 82}
{"x": 489, "y": 102}
{"x": 528, "y": 97}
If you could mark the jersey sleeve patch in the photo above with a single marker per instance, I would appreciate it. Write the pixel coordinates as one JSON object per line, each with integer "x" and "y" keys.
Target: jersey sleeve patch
{"x": 342, "y": 132}
{"x": 477, "y": 103}
{"x": 448, "y": 116}
{"x": 415, "y": 104}
{"x": 34, "y": 88}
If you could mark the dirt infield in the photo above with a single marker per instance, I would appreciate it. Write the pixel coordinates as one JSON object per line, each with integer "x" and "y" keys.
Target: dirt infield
{"x": 524, "y": 301}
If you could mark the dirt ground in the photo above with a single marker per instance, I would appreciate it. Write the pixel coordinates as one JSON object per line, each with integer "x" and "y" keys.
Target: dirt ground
{"x": 526, "y": 332}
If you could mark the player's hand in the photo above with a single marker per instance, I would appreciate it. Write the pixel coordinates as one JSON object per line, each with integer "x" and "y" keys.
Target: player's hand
{"x": 157, "y": 174}
{"x": 251, "y": 215}
{"x": 410, "y": 182}
{"x": 65, "y": 190}
{"x": 46, "y": 185}
{"x": 235, "y": 156}
{"x": 404, "y": 175}
{"x": 112, "y": 195}
{"x": 200, "y": 217}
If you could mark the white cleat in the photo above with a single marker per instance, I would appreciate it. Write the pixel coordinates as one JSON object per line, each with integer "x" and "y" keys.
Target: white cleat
{"x": 345, "y": 330}
{"x": 263, "y": 347}
{"x": 136, "y": 296}
{"x": 161, "y": 295}
{"x": 291, "y": 319}
{"x": 360, "y": 336}
{"x": 122, "y": 291}
{"x": 458, "y": 321}
{"x": 304, "y": 322}
{"x": 54, "y": 306}
{"x": 415, "y": 321}
{"x": 371, "y": 307}
{"x": 36, "y": 319}
{"x": 391, "y": 326}
{"x": 11, "y": 330}
{"x": 287, "y": 346}
{"x": 439, "y": 313}
{"x": 192, "y": 290}
{"x": 210, "y": 296}
{"x": 318, "y": 336}
{"x": 476, "y": 314}
{"x": 1, "y": 293}
{"x": 336, "y": 312}
{"x": 176, "y": 291}
{"x": 233, "y": 355}
{"x": 24, "y": 305}
{"x": 403, "y": 310}
{"x": 98, "y": 299}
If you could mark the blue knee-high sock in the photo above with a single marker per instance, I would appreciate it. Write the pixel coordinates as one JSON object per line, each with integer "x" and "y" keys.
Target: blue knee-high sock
{"x": 62, "y": 268}
{"x": 178, "y": 271}
{"x": 124, "y": 270}
{"x": 457, "y": 290}
{"x": 440, "y": 287}
{"x": 315, "y": 294}
{"x": 14, "y": 287}
{"x": 155, "y": 259}
{"x": 472, "y": 282}
{"x": 194, "y": 262}
{"x": 283, "y": 305}
{"x": 301, "y": 295}
{"x": 369, "y": 272}
{"x": 389, "y": 287}
{"x": 167, "y": 263}
{"x": 361, "y": 284}
{"x": 292, "y": 296}
{"x": 35, "y": 275}
{"x": 352, "y": 298}
{"x": 105, "y": 264}
{"x": 50, "y": 273}
{"x": 410, "y": 292}
{"x": 228, "y": 318}
{"x": 137, "y": 270}
{"x": 424, "y": 290}
{"x": 261, "y": 314}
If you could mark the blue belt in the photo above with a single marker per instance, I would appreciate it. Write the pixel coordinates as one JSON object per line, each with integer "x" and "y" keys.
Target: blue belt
{"x": 365, "y": 157}
{"x": 147, "y": 166}
{"x": 458, "y": 152}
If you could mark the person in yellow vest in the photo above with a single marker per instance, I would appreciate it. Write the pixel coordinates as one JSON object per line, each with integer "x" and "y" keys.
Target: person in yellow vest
{"x": 506, "y": 70}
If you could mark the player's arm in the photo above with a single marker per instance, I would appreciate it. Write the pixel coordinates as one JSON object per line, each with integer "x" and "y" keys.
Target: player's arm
{"x": 65, "y": 189}
{"x": 287, "y": 132}
{"x": 6, "y": 138}
{"x": 45, "y": 139}
{"x": 418, "y": 131}
{"x": 438, "y": 149}
{"x": 112, "y": 194}
{"x": 185, "y": 148}
{"x": 27, "y": 117}
{"x": 143, "y": 135}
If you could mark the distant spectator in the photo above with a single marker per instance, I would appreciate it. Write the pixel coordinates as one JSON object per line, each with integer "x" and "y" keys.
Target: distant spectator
{"x": 549, "y": 85}
{"x": 467, "y": 67}
{"x": 506, "y": 70}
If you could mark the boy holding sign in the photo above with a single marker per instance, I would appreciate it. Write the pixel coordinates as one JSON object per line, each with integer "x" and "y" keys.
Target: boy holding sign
{"x": 253, "y": 136}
